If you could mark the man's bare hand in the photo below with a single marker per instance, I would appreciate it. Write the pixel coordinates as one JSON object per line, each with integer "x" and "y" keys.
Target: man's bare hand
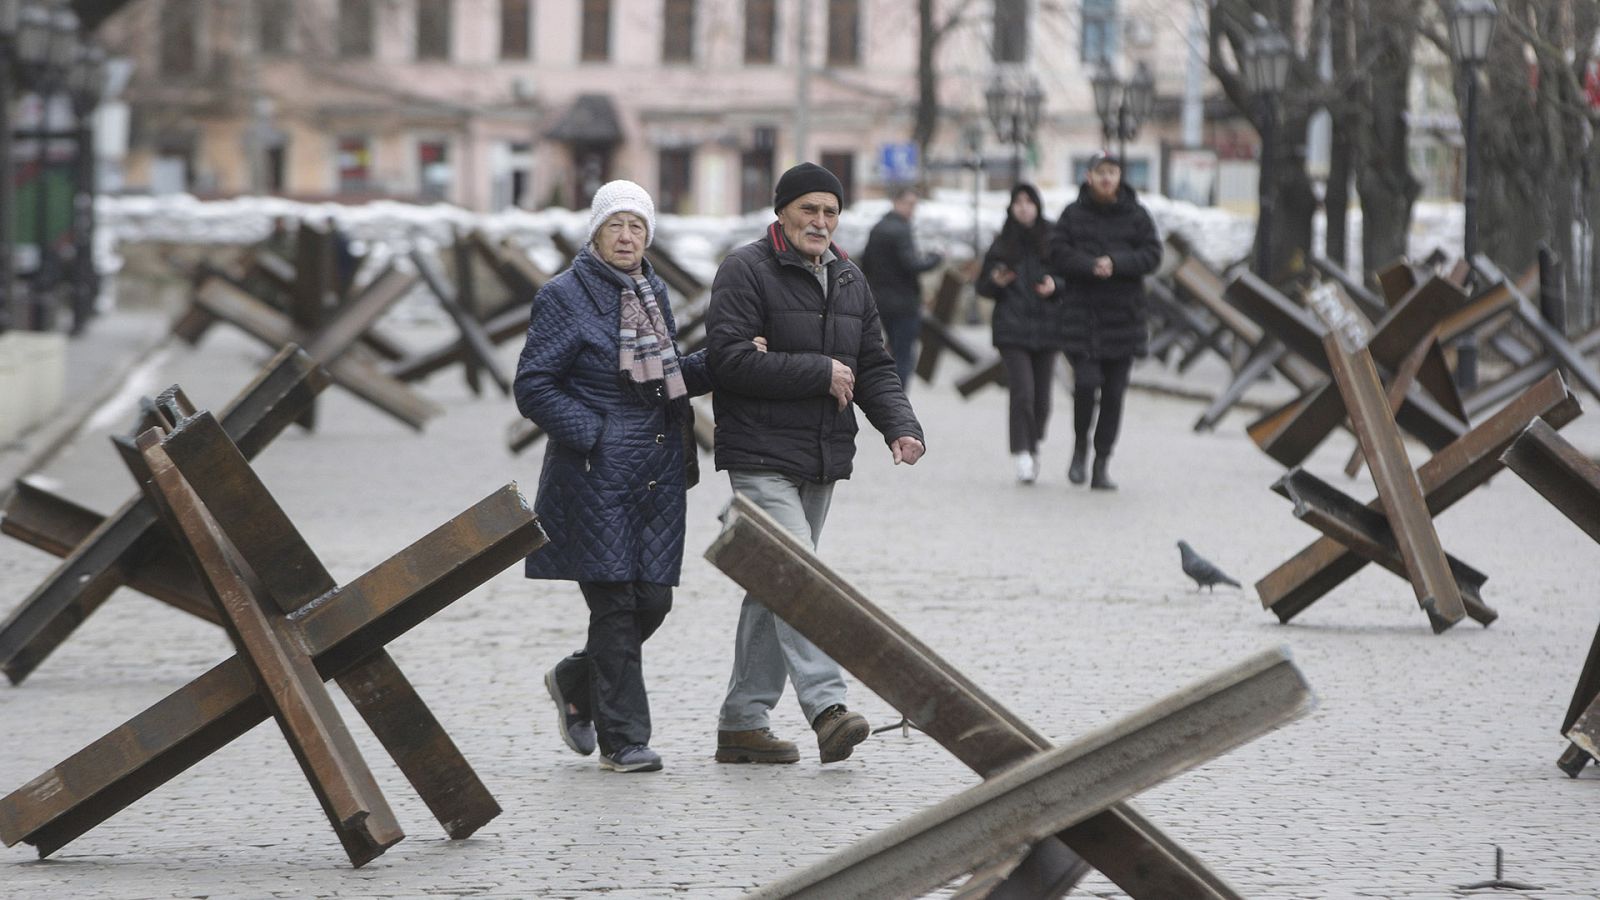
{"x": 906, "y": 449}
{"x": 1102, "y": 267}
{"x": 1045, "y": 287}
{"x": 843, "y": 386}
{"x": 1002, "y": 275}
{"x": 760, "y": 342}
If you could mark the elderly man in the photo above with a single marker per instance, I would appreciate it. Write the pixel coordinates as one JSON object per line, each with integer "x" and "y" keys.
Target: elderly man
{"x": 786, "y": 432}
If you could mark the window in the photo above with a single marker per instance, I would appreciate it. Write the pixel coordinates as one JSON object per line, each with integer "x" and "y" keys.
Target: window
{"x": 755, "y": 180}
{"x": 516, "y": 29}
{"x": 760, "y": 31}
{"x": 596, "y": 26}
{"x": 180, "y": 51}
{"x": 433, "y": 171}
{"x": 1011, "y": 30}
{"x": 355, "y": 164}
{"x": 433, "y": 29}
{"x": 355, "y": 29}
{"x": 844, "y": 32}
{"x": 1099, "y": 30}
{"x": 842, "y": 163}
{"x": 674, "y": 180}
{"x": 677, "y": 31}
{"x": 274, "y": 19}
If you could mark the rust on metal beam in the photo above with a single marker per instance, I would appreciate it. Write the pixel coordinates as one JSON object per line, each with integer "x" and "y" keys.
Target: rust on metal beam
{"x": 1446, "y": 477}
{"x": 782, "y": 573}
{"x": 339, "y": 632}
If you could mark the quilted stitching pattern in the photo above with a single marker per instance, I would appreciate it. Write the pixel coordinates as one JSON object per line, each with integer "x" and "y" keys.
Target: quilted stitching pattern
{"x": 611, "y": 492}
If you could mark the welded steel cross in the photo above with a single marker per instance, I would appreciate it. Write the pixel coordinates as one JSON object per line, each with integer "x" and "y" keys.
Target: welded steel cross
{"x": 1567, "y": 478}
{"x": 785, "y": 575}
{"x": 127, "y": 547}
{"x": 293, "y": 627}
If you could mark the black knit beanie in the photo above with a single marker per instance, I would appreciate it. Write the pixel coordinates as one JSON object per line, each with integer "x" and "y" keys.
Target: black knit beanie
{"x": 803, "y": 179}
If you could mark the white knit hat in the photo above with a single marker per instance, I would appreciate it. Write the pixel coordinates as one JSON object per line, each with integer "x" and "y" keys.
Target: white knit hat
{"x": 622, "y": 196}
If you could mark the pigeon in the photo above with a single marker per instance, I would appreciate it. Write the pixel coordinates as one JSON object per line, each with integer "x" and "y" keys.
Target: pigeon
{"x": 1205, "y": 574}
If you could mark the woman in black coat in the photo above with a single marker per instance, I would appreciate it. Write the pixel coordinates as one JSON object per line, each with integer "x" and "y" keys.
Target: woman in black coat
{"x": 1027, "y": 321}
{"x": 600, "y": 375}
{"x": 1102, "y": 247}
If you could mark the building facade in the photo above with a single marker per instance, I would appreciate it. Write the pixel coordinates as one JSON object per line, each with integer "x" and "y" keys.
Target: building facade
{"x": 496, "y": 103}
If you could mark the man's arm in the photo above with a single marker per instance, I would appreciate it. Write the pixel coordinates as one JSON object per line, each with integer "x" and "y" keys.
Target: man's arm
{"x": 905, "y": 249}
{"x": 1144, "y": 255}
{"x": 733, "y": 321}
{"x": 1067, "y": 259}
{"x": 878, "y": 390}
{"x": 551, "y": 346}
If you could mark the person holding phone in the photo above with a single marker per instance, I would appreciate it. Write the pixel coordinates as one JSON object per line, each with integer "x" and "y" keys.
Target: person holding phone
{"x": 1027, "y": 321}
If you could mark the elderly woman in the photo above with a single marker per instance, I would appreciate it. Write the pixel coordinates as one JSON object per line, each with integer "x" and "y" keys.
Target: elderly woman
{"x": 600, "y": 375}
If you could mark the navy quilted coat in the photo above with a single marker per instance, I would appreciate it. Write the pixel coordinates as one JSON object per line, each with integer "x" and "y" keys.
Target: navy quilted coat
{"x": 611, "y": 493}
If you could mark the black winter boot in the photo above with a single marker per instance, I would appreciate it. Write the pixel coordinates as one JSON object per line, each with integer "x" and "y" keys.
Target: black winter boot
{"x": 1080, "y": 459}
{"x": 1101, "y": 481}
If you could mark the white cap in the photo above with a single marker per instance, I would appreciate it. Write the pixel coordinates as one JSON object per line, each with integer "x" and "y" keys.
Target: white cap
{"x": 622, "y": 196}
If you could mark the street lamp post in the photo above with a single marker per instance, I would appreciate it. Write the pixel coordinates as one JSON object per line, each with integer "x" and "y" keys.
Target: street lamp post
{"x": 85, "y": 84}
{"x": 1471, "y": 27}
{"x": 1122, "y": 106}
{"x": 1014, "y": 115}
{"x": 10, "y": 305}
{"x": 1266, "y": 71}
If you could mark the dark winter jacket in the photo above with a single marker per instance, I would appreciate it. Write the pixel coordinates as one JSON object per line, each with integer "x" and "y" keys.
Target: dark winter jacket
{"x": 611, "y": 493}
{"x": 1021, "y": 317}
{"x": 891, "y": 263}
{"x": 773, "y": 409}
{"x": 1105, "y": 317}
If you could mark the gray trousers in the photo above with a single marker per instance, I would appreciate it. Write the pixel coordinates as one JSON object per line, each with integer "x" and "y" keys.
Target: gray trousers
{"x": 766, "y": 649}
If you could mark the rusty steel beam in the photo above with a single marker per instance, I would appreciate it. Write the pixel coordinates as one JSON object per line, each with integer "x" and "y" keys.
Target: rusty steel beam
{"x": 1052, "y": 790}
{"x": 358, "y": 316}
{"x": 341, "y": 630}
{"x": 96, "y": 566}
{"x": 1366, "y": 531}
{"x": 1293, "y": 325}
{"x": 1446, "y": 477}
{"x": 502, "y": 327}
{"x": 354, "y": 373}
{"x": 290, "y": 686}
{"x": 1398, "y": 489}
{"x": 1555, "y": 343}
{"x": 1264, "y": 356}
{"x": 782, "y": 573}
{"x": 983, "y": 374}
{"x": 475, "y": 348}
{"x": 935, "y": 335}
{"x": 1571, "y": 482}
{"x": 289, "y": 572}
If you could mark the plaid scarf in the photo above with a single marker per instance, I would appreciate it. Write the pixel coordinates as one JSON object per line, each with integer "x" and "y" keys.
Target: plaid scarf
{"x": 647, "y": 358}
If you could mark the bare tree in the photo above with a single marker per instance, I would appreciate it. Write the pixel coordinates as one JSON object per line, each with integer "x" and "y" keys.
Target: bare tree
{"x": 933, "y": 26}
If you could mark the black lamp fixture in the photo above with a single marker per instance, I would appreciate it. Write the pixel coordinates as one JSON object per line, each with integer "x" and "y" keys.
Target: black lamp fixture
{"x": 1471, "y": 28}
{"x": 1265, "y": 68}
{"x": 1122, "y": 106}
{"x": 1014, "y": 114}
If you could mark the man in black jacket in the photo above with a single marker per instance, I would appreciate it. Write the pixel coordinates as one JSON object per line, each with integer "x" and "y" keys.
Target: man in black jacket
{"x": 891, "y": 263}
{"x": 785, "y": 431}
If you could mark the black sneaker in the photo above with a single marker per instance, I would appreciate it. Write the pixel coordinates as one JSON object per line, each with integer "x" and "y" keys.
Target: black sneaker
{"x": 632, "y": 758}
{"x": 838, "y": 732}
{"x": 576, "y": 731}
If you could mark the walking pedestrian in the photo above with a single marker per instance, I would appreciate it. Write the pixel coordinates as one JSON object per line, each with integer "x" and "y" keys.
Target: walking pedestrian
{"x": 1101, "y": 248}
{"x": 892, "y": 265}
{"x": 599, "y": 373}
{"x": 786, "y": 432}
{"x": 1027, "y": 321}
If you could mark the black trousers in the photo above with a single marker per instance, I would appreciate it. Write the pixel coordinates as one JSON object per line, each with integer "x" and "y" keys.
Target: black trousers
{"x": 1102, "y": 383}
{"x": 605, "y": 679}
{"x": 1029, "y": 374}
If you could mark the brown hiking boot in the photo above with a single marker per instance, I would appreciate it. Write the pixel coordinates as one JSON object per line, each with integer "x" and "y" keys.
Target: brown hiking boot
{"x": 838, "y": 732}
{"x": 757, "y": 745}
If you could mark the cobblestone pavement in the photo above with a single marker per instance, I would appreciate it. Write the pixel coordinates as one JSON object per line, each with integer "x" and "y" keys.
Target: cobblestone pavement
{"x": 1425, "y": 752}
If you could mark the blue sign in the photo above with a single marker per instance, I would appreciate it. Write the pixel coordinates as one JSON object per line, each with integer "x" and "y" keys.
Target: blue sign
{"x": 899, "y": 162}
